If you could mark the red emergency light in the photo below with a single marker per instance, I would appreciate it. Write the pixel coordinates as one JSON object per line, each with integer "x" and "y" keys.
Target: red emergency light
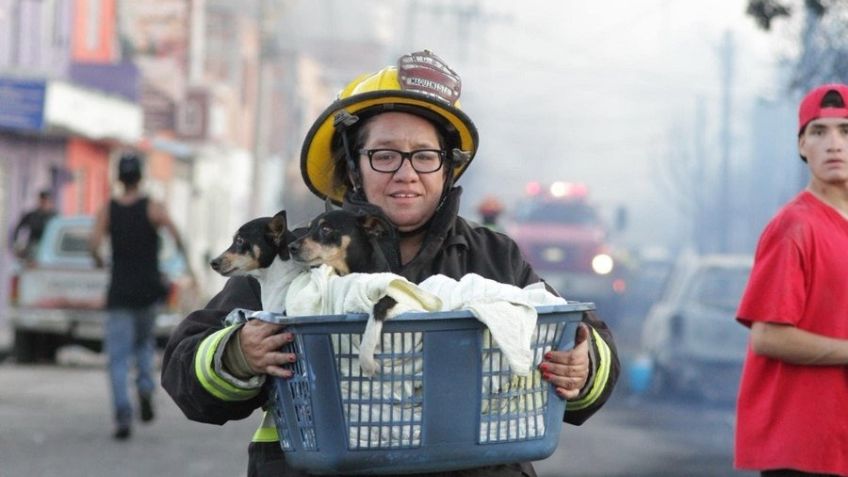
{"x": 533, "y": 188}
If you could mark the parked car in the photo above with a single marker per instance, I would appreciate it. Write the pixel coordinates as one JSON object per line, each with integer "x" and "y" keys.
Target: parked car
{"x": 691, "y": 336}
{"x": 57, "y": 298}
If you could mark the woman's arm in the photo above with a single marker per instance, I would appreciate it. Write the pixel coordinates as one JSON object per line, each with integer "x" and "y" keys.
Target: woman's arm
{"x": 187, "y": 370}
{"x": 586, "y": 374}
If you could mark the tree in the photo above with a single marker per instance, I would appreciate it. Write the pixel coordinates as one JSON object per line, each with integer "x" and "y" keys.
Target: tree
{"x": 821, "y": 29}
{"x": 764, "y": 11}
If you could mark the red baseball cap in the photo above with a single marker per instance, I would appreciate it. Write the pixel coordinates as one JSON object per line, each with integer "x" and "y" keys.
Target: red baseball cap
{"x": 811, "y": 106}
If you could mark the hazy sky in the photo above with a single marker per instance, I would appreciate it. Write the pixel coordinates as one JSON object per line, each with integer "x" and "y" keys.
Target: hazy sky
{"x": 595, "y": 91}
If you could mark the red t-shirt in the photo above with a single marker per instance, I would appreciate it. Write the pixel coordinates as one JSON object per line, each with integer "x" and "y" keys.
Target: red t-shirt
{"x": 791, "y": 416}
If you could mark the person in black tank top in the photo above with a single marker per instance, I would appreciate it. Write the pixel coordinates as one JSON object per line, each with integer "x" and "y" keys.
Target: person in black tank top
{"x": 136, "y": 281}
{"x": 136, "y": 288}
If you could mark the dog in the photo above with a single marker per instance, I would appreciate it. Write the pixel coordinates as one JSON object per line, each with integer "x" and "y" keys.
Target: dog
{"x": 265, "y": 249}
{"x": 347, "y": 243}
{"x": 344, "y": 241}
{"x": 260, "y": 249}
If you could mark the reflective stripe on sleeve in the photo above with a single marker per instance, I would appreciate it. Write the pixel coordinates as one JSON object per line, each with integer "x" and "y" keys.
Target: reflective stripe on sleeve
{"x": 267, "y": 431}
{"x": 601, "y": 377}
{"x": 209, "y": 379}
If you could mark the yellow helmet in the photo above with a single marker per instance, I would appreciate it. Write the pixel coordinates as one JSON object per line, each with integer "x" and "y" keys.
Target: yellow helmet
{"x": 421, "y": 84}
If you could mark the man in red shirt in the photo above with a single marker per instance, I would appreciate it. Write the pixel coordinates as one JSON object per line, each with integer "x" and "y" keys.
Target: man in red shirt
{"x": 793, "y": 400}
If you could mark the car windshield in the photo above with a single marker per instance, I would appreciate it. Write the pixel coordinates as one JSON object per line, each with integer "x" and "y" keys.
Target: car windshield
{"x": 74, "y": 241}
{"x": 721, "y": 287}
{"x": 71, "y": 247}
{"x": 555, "y": 211}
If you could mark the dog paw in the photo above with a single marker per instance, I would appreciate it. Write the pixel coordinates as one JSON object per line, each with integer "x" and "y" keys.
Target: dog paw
{"x": 369, "y": 366}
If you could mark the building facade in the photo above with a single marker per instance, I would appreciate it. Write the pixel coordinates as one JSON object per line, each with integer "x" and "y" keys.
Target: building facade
{"x": 67, "y": 103}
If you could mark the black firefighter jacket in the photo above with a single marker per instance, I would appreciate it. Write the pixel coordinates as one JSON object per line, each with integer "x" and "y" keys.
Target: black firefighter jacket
{"x": 453, "y": 247}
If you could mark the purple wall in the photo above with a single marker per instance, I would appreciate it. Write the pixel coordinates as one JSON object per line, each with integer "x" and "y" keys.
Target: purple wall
{"x": 121, "y": 79}
{"x": 35, "y": 37}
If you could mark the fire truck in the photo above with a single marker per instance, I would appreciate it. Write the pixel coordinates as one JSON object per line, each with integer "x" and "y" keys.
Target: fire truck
{"x": 563, "y": 236}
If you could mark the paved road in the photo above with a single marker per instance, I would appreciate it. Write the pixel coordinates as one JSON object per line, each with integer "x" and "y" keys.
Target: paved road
{"x": 634, "y": 437}
{"x": 640, "y": 436}
{"x": 55, "y": 421}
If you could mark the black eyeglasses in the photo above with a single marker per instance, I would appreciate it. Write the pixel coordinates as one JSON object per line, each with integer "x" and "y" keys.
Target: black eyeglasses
{"x": 424, "y": 161}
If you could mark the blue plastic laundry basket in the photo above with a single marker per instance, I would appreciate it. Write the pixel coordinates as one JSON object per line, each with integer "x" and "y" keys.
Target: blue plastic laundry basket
{"x": 445, "y": 398}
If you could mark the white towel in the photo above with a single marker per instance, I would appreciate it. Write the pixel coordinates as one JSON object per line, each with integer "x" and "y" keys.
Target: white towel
{"x": 323, "y": 292}
{"x": 507, "y": 311}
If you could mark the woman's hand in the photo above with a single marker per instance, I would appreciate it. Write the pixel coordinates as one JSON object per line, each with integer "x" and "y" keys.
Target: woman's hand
{"x": 260, "y": 343}
{"x": 568, "y": 370}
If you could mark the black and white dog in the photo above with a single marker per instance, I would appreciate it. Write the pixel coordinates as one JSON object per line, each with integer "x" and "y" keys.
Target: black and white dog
{"x": 260, "y": 249}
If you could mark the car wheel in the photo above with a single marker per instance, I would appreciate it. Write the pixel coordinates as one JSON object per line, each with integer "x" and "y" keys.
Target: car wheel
{"x": 666, "y": 384}
{"x": 661, "y": 382}
{"x": 719, "y": 385}
{"x": 25, "y": 346}
{"x": 31, "y": 347}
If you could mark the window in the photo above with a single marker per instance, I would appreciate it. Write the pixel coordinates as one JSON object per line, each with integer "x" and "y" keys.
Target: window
{"x": 563, "y": 212}
{"x": 73, "y": 242}
{"x": 721, "y": 287}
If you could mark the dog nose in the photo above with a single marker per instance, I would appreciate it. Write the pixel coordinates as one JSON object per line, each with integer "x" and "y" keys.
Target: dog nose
{"x": 215, "y": 263}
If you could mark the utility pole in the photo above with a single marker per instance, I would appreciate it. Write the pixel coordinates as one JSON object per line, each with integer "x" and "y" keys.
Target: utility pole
{"x": 467, "y": 15}
{"x": 464, "y": 14}
{"x": 258, "y": 152}
{"x": 726, "y": 53}
{"x": 698, "y": 179}
{"x": 267, "y": 15}
{"x": 812, "y": 18}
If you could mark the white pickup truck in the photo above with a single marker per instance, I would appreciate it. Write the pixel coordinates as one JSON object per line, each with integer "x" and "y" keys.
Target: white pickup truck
{"x": 58, "y": 298}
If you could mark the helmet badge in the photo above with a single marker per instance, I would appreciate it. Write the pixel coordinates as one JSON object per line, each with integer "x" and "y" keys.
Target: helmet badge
{"x": 425, "y": 73}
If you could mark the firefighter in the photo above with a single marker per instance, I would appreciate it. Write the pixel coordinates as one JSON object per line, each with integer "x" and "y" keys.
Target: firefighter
{"x": 393, "y": 144}
{"x": 490, "y": 208}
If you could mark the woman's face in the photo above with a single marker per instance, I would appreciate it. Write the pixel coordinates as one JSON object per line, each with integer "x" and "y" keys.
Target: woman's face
{"x": 408, "y": 198}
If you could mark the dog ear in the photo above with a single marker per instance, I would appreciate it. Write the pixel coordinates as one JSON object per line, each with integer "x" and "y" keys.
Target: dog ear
{"x": 277, "y": 228}
{"x": 374, "y": 226}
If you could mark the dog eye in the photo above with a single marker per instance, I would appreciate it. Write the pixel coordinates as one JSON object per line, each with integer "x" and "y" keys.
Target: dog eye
{"x": 239, "y": 243}
{"x": 326, "y": 231}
